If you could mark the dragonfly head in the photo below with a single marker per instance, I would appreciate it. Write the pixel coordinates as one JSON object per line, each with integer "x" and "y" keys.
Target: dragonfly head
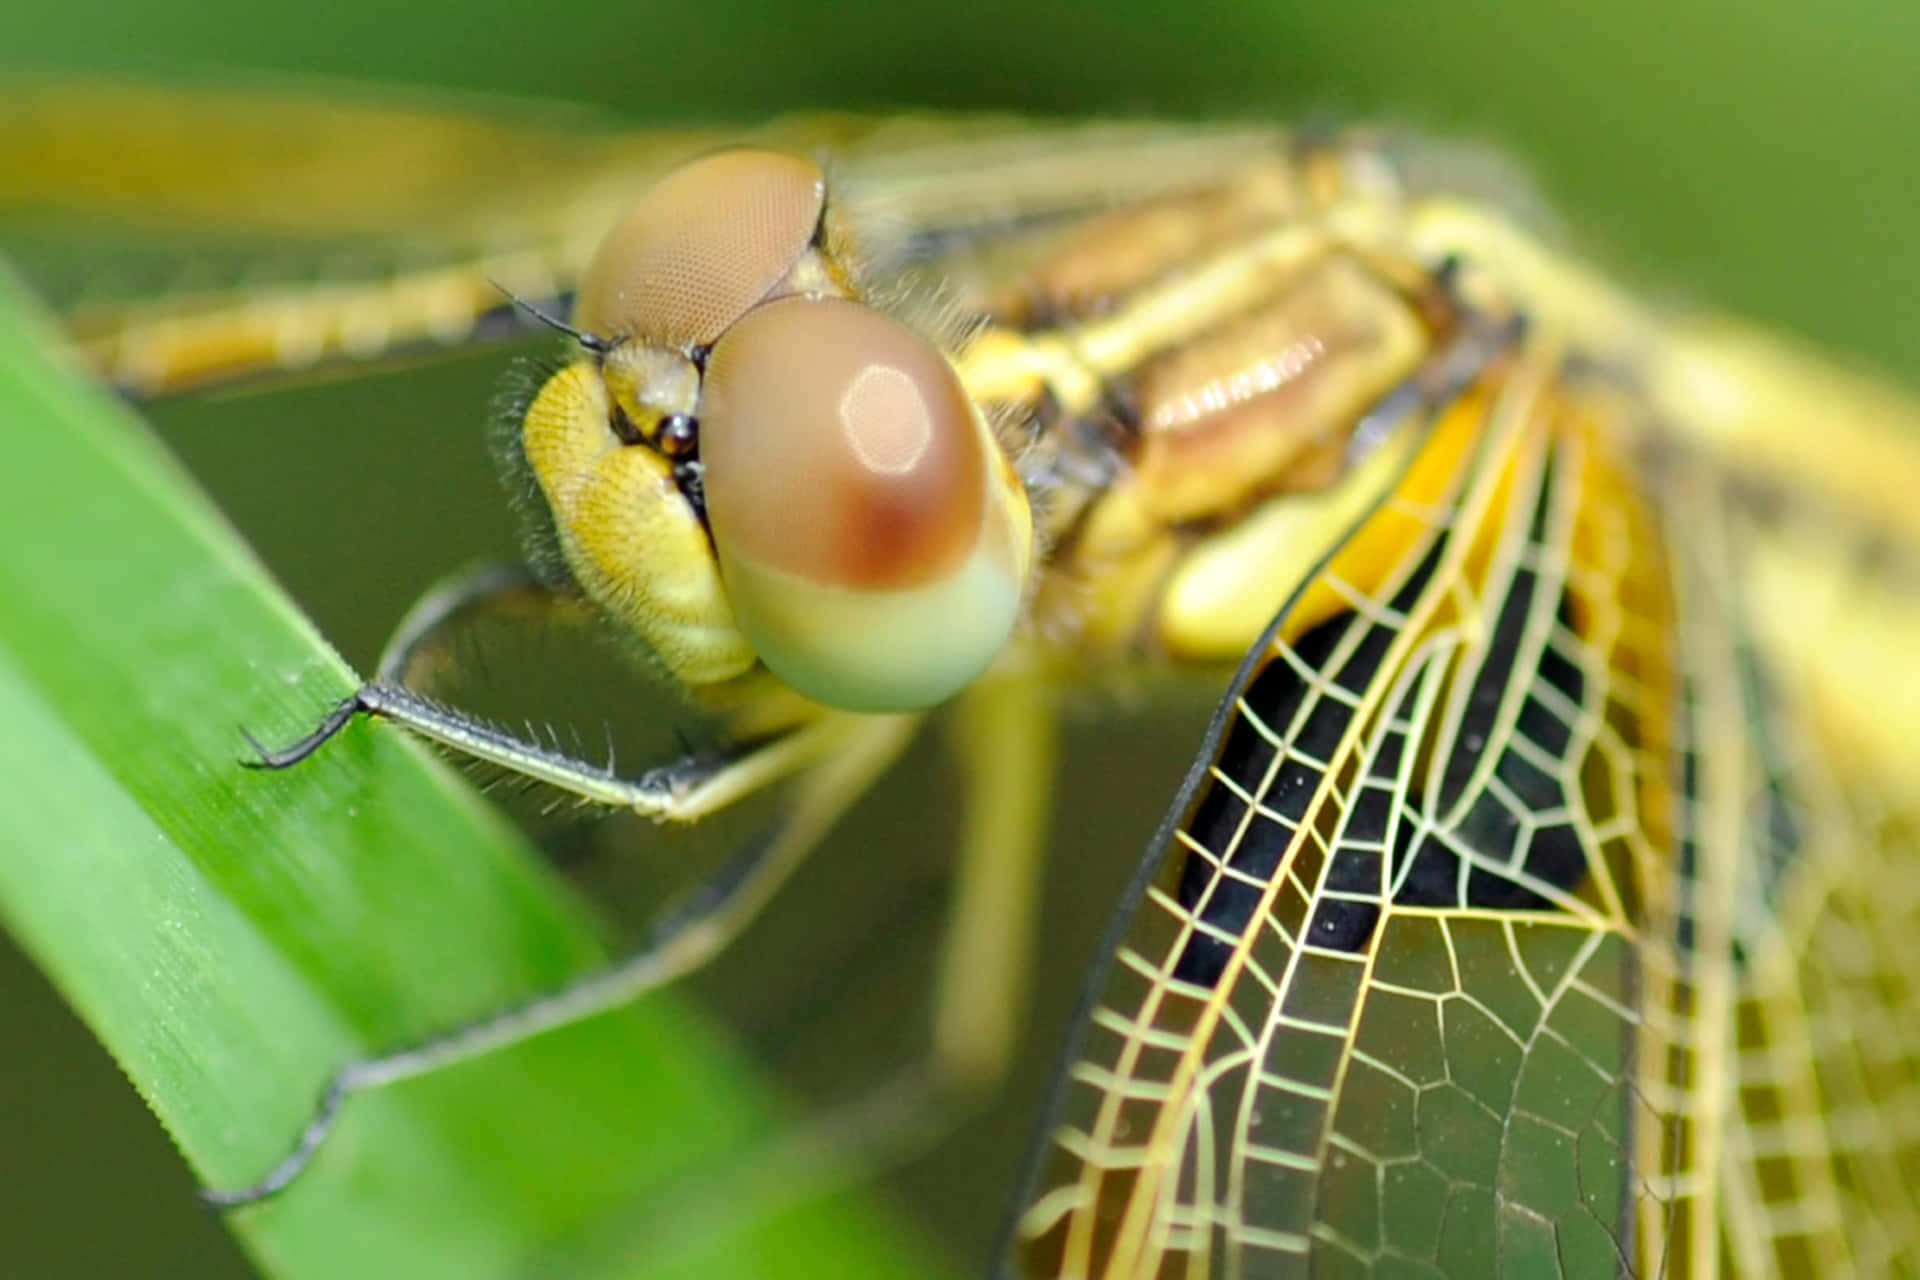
{"x": 747, "y": 463}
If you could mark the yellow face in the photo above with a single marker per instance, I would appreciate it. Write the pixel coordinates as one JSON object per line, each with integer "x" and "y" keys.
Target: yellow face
{"x": 748, "y": 464}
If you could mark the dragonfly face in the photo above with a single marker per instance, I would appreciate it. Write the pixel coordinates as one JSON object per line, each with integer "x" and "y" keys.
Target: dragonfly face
{"x": 872, "y": 539}
{"x": 1536, "y": 905}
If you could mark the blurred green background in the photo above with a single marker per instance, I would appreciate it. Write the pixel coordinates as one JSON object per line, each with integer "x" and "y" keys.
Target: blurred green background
{"x": 1761, "y": 157}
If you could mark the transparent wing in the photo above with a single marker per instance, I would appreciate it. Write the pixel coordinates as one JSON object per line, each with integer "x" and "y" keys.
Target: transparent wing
{"x": 1512, "y": 926}
{"x": 1781, "y": 962}
{"x": 198, "y": 236}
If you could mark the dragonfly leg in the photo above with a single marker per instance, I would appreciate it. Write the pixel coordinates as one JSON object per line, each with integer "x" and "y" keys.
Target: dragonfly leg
{"x": 684, "y": 791}
{"x": 1005, "y": 735}
{"x": 418, "y": 644}
{"x": 681, "y": 940}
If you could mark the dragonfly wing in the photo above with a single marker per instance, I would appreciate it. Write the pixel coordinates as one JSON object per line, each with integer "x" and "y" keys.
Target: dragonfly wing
{"x": 199, "y": 236}
{"x": 1456, "y": 951}
{"x": 1778, "y": 1018}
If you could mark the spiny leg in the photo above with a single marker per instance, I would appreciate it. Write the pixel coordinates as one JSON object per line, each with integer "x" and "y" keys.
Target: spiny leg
{"x": 852, "y": 752}
{"x": 1005, "y": 735}
{"x": 840, "y": 755}
{"x": 687, "y": 790}
{"x": 683, "y": 791}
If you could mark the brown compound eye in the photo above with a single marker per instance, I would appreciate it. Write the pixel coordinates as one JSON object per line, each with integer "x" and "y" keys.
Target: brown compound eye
{"x": 700, "y": 247}
{"x": 872, "y": 540}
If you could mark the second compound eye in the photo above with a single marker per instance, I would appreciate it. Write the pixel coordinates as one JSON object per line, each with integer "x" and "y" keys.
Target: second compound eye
{"x": 700, "y": 247}
{"x": 871, "y": 539}
{"x": 845, "y": 448}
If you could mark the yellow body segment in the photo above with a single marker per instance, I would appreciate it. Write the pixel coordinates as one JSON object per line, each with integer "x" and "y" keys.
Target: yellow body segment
{"x": 1226, "y": 589}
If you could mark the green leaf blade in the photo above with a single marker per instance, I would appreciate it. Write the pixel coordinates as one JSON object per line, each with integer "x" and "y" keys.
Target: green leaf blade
{"x": 232, "y": 935}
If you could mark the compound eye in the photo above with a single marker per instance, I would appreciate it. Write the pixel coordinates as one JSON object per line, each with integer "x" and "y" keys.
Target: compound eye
{"x": 700, "y": 247}
{"x": 872, "y": 540}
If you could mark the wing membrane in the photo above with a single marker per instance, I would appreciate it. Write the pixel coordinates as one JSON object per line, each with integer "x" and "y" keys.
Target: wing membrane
{"x": 1515, "y": 925}
{"x": 198, "y": 236}
{"x": 1783, "y": 1005}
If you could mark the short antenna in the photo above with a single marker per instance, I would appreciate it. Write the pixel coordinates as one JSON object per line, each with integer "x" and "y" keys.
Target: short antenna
{"x": 591, "y": 341}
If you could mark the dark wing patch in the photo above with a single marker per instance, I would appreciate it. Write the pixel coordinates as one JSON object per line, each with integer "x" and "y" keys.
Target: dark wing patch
{"x": 1580, "y": 951}
{"x": 1372, "y": 1011}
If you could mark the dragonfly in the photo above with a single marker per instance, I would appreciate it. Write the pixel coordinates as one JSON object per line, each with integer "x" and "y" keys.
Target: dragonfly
{"x": 1539, "y": 900}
